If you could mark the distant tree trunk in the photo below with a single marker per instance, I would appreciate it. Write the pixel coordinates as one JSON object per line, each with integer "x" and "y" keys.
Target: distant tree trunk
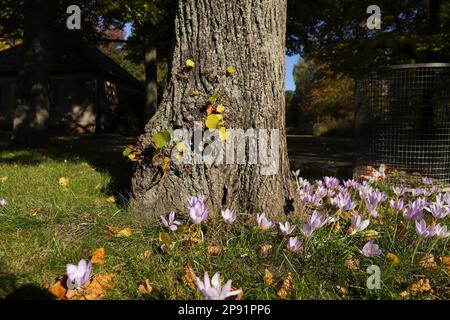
{"x": 250, "y": 36}
{"x": 151, "y": 73}
{"x": 32, "y": 100}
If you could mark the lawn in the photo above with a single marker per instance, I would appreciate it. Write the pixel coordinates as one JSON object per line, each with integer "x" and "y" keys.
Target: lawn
{"x": 49, "y": 222}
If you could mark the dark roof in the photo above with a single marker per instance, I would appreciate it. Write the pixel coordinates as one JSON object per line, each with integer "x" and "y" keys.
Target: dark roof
{"x": 73, "y": 57}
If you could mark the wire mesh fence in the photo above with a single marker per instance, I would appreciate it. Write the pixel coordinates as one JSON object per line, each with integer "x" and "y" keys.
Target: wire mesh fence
{"x": 402, "y": 123}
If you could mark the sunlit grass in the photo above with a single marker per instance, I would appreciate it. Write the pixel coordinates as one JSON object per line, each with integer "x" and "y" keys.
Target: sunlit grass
{"x": 45, "y": 226}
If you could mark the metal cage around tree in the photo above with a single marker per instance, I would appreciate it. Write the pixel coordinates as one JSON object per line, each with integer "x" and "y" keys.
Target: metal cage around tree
{"x": 402, "y": 122}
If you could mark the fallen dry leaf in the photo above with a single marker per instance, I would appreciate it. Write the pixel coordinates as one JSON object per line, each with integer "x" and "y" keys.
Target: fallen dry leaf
{"x": 401, "y": 230}
{"x": 393, "y": 258}
{"x": 111, "y": 199}
{"x": 126, "y": 232}
{"x": 286, "y": 287}
{"x": 427, "y": 261}
{"x": 264, "y": 250}
{"x": 214, "y": 250}
{"x": 189, "y": 276}
{"x": 404, "y": 294}
{"x": 351, "y": 263}
{"x": 98, "y": 256}
{"x": 63, "y": 181}
{"x": 146, "y": 254}
{"x": 342, "y": 291}
{"x": 3, "y": 179}
{"x": 96, "y": 290}
{"x": 268, "y": 277}
{"x": 58, "y": 290}
{"x": 370, "y": 235}
{"x": 423, "y": 285}
{"x": 35, "y": 212}
{"x": 145, "y": 287}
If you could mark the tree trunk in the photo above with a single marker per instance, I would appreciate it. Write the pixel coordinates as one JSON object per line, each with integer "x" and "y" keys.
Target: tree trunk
{"x": 250, "y": 36}
{"x": 151, "y": 73}
{"x": 31, "y": 115}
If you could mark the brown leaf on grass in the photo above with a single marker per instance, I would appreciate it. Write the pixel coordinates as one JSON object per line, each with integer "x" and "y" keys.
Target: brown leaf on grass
{"x": 342, "y": 291}
{"x": 264, "y": 250}
{"x": 445, "y": 261}
{"x": 286, "y": 287}
{"x": 145, "y": 287}
{"x": 337, "y": 227}
{"x": 146, "y": 254}
{"x": 96, "y": 290}
{"x": 3, "y": 179}
{"x": 58, "y": 290}
{"x": 98, "y": 256}
{"x": 63, "y": 181}
{"x": 393, "y": 258}
{"x": 35, "y": 212}
{"x": 189, "y": 276}
{"x": 111, "y": 230}
{"x": 351, "y": 263}
{"x": 404, "y": 294}
{"x": 111, "y": 199}
{"x": 126, "y": 232}
{"x": 370, "y": 235}
{"x": 401, "y": 230}
{"x": 214, "y": 250}
{"x": 423, "y": 285}
{"x": 427, "y": 261}
{"x": 268, "y": 277}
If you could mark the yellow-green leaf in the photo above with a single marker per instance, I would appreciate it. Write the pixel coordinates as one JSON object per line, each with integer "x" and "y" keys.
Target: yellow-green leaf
{"x": 166, "y": 164}
{"x": 190, "y": 63}
{"x": 213, "y": 120}
{"x": 195, "y": 92}
{"x": 220, "y": 108}
{"x": 161, "y": 139}
{"x": 230, "y": 70}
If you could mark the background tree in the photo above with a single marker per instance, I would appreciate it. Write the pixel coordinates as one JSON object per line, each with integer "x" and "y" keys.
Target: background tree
{"x": 217, "y": 34}
{"x": 335, "y": 32}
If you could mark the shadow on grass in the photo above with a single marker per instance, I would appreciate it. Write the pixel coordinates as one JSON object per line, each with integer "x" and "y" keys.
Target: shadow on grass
{"x": 102, "y": 152}
{"x": 9, "y": 290}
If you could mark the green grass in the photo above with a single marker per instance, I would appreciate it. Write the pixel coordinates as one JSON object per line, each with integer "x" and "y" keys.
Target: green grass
{"x": 73, "y": 220}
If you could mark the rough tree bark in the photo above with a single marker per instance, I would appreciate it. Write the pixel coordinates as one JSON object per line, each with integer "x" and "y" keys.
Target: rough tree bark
{"x": 250, "y": 36}
{"x": 32, "y": 102}
{"x": 151, "y": 73}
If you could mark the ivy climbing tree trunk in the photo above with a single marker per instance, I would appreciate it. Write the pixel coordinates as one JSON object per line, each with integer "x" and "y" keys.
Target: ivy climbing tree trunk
{"x": 250, "y": 36}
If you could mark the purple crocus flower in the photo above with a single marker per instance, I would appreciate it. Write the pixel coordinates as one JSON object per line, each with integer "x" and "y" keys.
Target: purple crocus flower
{"x": 212, "y": 289}
{"x": 414, "y": 210}
{"x": 358, "y": 224}
{"x": 263, "y": 222}
{"x": 417, "y": 192}
{"x": 351, "y": 184}
{"x": 287, "y": 228}
{"x": 321, "y": 192}
{"x": 331, "y": 182}
{"x": 296, "y": 173}
{"x": 172, "y": 224}
{"x": 316, "y": 220}
{"x": 423, "y": 230}
{"x": 3, "y": 202}
{"x": 295, "y": 244}
{"x": 229, "y": 216}
{"x": 79, "y": 275}
{"x": 197, "y": 209}
{"x": 343, "y": 201}
{"x": 441, "y": 231}
{"x": 399, "y": 191}
{"x": 307, "y": 230}
{"x": 439, "y": 212}
{"x": 313, "y": 199}
{"x": 427, "y": 180}
{"x": 397, "y": 205}
{"x": 371, "y": 249}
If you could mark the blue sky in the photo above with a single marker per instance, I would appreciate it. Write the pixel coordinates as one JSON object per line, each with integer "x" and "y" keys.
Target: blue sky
{"x": 290, "y": 62}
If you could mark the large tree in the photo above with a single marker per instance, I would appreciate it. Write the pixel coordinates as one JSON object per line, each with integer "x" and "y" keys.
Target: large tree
{"x": 228, "y": 53}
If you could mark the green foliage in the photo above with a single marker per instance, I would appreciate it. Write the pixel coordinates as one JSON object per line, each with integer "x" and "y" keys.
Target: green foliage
{"x": 335, "y": 32}
{"x": 161, "y": 139}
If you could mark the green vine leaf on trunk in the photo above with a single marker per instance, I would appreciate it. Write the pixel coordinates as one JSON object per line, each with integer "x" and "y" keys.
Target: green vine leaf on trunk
{"x": 213, "y": 121}
{"x": 161, "y": 139}
{"x": 214, "y": 97}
